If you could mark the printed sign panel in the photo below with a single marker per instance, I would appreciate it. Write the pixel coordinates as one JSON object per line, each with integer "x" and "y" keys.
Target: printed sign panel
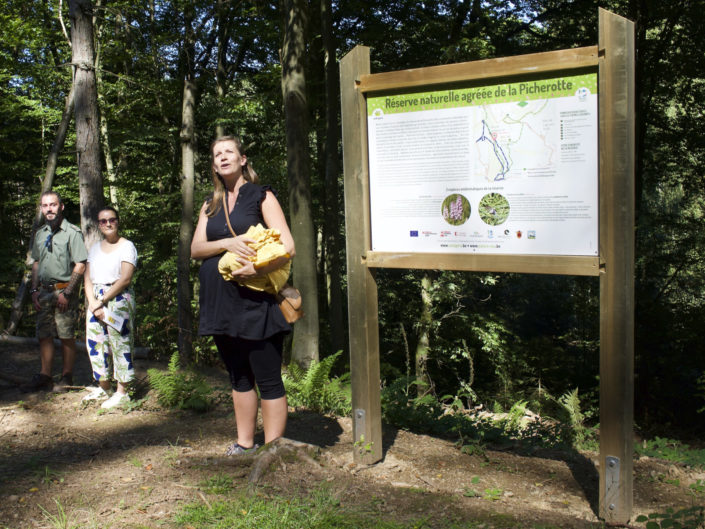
{"x": 507, "y": 169}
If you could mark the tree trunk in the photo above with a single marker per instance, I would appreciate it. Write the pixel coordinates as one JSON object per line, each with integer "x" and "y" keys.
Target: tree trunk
{"x": 21, "y": 296}
{"x": 186, "y": 230}
{"x": 188, "y": 153}
{"x": 331, "y": 231}
{"x": 222, "y": 59}
{"x": 423, "y": 381}
{"x": 86, "y": 112}
{"x": 306, "y": 332}
{"x": 104, "y": 135}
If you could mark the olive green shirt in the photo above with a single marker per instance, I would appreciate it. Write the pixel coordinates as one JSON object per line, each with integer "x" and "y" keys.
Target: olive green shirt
{"x": 57, "y": 253}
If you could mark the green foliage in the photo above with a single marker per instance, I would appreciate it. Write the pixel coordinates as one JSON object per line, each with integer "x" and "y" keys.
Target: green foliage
{"x": 697, "y": 488}
{"x": 671, "y": 450}
{"x": 516, "y": 415}
{"x": 565, "y": 428}
{"x": 493, "y": 494}
{"x": 134, "y": 405}
{"x": 570, "y": 404}
{"x": 315, "y": 390}
{"x": 428, "y": 415}
{"x": 363, "y": 447}
{"x": 690, "y": 518}
{"x": 180, "y": 388}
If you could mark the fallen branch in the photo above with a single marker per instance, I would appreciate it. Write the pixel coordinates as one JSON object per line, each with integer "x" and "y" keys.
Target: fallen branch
{"x": 70, "y": 388}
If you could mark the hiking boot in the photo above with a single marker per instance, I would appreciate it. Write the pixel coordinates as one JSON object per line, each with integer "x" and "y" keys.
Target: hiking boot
{"x": 39, "y": 382}
{"x": 236, "y": 450}
{"x": 66, "y": 380}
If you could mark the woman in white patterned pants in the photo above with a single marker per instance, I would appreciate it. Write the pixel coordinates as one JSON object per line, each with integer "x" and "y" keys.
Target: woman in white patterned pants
{"x": 110, "y": 310}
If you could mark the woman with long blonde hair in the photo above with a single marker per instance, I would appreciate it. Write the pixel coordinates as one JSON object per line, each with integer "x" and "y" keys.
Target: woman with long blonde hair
{"x": 247, "y": 326}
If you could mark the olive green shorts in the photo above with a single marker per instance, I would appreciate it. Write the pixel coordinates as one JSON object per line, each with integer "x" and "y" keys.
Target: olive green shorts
{"x": 52, "y": 323}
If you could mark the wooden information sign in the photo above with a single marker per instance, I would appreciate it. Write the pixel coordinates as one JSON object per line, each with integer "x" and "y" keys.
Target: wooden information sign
{"x": 537, "y": 155}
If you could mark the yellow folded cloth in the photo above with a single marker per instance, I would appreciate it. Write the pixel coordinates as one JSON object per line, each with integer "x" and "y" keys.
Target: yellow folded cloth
{"x": 268, "y": 248}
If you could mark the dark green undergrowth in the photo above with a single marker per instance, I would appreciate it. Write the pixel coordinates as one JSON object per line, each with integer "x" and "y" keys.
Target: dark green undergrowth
{"x": 314, "y": 389}
{"x": 690, "y": 518}
{"x": 181, "y": 388}
{"x": 427, "y": 414}
{"x": 671, "y": 450}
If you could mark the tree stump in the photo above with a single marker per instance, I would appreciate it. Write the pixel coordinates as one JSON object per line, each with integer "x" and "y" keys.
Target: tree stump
{"x": 270, "y": 454}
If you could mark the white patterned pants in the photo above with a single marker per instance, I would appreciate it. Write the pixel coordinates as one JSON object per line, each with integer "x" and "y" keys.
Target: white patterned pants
{"x": 107, "y": 345}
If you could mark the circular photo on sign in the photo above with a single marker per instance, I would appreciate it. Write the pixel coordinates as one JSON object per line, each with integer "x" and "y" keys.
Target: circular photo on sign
{"x": 455, "y": 209}
{"x": 493, "y": 209}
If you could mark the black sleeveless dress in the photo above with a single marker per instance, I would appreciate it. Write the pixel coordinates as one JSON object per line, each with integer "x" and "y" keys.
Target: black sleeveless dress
{"x": 226, "y": 307}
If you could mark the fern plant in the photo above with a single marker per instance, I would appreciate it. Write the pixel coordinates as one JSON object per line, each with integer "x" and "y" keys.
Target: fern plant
{"x": 178, "y": 388}
{"x": 576, "y": 433}
{"x": 315, "y": 390}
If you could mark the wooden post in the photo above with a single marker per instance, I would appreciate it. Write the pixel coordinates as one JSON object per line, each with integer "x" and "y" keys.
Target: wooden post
{"x": 617, "y": 153}
{"x": 362, "y": 289}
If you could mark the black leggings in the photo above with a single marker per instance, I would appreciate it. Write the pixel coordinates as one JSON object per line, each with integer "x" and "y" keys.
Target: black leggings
{"x": 250, "y": 361}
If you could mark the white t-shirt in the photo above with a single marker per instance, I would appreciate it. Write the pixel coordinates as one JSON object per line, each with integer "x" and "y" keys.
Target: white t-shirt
{"x": 105, "y": 267}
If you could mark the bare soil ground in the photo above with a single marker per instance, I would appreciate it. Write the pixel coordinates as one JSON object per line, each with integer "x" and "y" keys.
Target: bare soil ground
{"x": 135, "y": 470}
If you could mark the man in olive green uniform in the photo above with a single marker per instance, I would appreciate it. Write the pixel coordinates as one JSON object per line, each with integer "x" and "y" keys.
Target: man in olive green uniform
{"x": 60, "y": 256}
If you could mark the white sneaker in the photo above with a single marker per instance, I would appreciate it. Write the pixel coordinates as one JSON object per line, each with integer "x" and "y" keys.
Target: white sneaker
{"x": 95, "y": 393}
{"x": 118, "y": 399}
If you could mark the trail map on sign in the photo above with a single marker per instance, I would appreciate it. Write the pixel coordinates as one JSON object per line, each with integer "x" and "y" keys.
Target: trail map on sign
{"x": 506, "y": 168}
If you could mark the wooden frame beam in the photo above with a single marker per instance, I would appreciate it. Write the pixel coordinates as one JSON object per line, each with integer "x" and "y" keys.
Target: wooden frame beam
{"x": 532, "y": 63}
{"x": 362, "y": 288}
{"x": 528, "y": 264}
{"x": 617, "y": 243}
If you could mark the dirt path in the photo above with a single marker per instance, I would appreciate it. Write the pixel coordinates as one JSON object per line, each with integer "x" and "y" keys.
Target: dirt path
{"x": 136, "y": 469}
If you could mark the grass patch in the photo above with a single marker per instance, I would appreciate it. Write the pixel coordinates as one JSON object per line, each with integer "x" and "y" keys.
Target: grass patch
{"x": 320, "y": 509}
{"x": 220, "y": 484}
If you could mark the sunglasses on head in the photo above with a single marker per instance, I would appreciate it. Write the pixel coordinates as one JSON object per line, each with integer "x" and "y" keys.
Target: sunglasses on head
{"x": 112, "y": 220}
